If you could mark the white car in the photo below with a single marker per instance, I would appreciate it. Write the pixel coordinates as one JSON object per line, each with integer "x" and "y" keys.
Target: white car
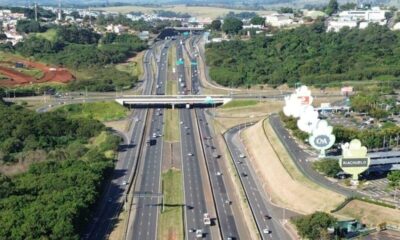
{"x": 242, "y": 155}
{"x": 266, "y": 231}
{"x": 219, "y": 173}
{"x": 190, "y": 154}
{"x": 124, "y": 183}
{"x": 199, "y": 233}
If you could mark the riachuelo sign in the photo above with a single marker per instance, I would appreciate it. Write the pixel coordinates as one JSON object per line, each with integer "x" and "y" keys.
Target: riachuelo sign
{"x": 354, "y": 159}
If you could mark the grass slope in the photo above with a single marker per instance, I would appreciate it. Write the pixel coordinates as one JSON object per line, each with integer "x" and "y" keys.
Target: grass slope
{"x": 240, "y": 103}
{"x": 102, "y": 111}
{"x": 171, "y": 127}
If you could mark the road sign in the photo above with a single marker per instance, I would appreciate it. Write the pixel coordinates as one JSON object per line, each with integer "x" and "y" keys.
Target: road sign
{"x": 209, "y": 100}
{"x": 179, "y": 62}
{"x": 194, "y": 63}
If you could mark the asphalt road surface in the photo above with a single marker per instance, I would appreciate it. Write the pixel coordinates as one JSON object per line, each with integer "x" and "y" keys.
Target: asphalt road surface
{"x": 148, "y": 191}
{"x": 269, "y": 218}
{"x": 300, "y": 158}
{"x": 111, "y": 200}
{"x": 193, "y": 188}
{"x": 226, "y": 218}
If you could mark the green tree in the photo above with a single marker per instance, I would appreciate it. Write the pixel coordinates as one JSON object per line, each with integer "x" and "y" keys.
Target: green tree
{"x": 216, "y": 25}
{"x": 330, "y": 167}
{"x": 28, "y": 26}
{"x": 332, "y": 7}
{"x": 286, "y": 10}
{"x": 314, "y": 226}
{"x": 257, "y": 20}
{"x": 232, "y": 25}
{"x": 348, "y": 6}
{"x": 394, "y": 178}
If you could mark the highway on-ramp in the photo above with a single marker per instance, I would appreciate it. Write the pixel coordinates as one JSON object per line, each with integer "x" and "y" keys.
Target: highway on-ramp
{"x": 268, "y": 217}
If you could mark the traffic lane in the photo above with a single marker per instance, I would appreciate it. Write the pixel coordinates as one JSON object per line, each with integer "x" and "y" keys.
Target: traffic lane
{"x": 146, "y": 224}
{"x": 260, "y": 206}
{"x": 103, "y": 218}
{"x": 193, "y": 189}
{"x": 300, "y": 159}
{"x": 193, "y": 212}
{"x": 222, "y": 199}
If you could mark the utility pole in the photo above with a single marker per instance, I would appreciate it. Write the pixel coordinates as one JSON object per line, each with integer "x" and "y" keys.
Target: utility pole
{"x": 59, "y": 10}
{"x": 36, "y": 15}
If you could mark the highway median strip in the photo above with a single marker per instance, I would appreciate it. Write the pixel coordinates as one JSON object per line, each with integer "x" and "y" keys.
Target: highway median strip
{"x": 171, "y": 218}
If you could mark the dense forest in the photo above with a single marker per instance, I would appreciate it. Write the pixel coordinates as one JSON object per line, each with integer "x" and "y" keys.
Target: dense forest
{"x": 53, "y": 199}
{"x": 307, "y": 54}
{"x": 83, "y": 49}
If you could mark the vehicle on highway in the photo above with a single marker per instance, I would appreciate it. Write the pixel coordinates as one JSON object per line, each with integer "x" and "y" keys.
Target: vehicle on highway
{"x": 150, "y": 142}
{"x": 219, "y": 173}
{"x": 266, "y": 231}
{"x": 124, "y": 183}
{"x": 244, "y": 174}
{"x": 242, "y": 155}
{"x": 190, "y": 154}
{"x": 206, "y": 219}
{"x": 199, "y": 233}
{"x": 154, "y": 135}
{"x": 227, "y": 201}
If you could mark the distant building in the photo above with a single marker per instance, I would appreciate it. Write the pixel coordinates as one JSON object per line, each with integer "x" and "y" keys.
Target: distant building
{"x": 374, "y": 15}
{"x": 251, "y": 26}
{"x": 280, "y": 20}
{"x": 144, "y": 35}
{"x": 313, "y": 14}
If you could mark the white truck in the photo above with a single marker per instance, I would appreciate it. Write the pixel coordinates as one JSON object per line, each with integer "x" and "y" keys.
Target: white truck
{"x": 206, "y": 219}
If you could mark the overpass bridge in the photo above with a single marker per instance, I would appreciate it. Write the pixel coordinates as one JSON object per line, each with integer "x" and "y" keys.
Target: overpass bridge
{"x": 173, "y": 101}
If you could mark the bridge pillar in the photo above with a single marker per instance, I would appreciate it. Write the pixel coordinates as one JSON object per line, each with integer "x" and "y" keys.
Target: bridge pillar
{"x": 173, "y": 106}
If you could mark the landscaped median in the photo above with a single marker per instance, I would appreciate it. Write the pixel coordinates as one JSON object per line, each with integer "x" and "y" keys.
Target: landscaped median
{"x": 170, "y": 225}
{"x": 285, "y": 183}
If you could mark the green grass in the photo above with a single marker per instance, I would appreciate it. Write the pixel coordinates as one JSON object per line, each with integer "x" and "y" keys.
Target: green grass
{"x": 3, "y": 77}
{"x": 171, "y": 220}
{"x": 240, "y": 103}
{"x": 33, "y": 72}
{"x": 50, "y": 34}
{"x": 102, "y": 111}
{"x": 171, "y": 127}
{"x": 172, "y": 87}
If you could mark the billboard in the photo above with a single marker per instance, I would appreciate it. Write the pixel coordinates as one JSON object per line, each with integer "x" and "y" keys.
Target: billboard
{"x": 354, "y": 159}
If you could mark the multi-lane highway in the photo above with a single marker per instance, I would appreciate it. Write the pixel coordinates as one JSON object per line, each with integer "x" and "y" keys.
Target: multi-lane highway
{"x": 221, "y": 193}
{"x": 269, "y": 218}
{"x": 147, "y": 195}
{"x": 193, "y": 187}
{"x": 112, "y": 199}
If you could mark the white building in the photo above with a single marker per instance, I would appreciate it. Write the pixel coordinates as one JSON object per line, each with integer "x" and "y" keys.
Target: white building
{"x": 335, "y": 26}
{"x": 374, "y": 15}
{"x": 251, "y": 26}
{"x": 279, "y": 20}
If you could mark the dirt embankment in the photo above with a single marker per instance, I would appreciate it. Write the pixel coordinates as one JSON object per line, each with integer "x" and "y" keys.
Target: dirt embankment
{"x": 296, "y": 193}
{"x": 50, "y": 74}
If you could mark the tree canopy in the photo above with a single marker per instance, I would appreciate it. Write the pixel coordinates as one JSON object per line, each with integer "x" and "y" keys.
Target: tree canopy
{"x": 232, "y": 25}
{"x": 55, "y": 197}
{"x": 314, "y": 226}
{"x": 308, "y": 54}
